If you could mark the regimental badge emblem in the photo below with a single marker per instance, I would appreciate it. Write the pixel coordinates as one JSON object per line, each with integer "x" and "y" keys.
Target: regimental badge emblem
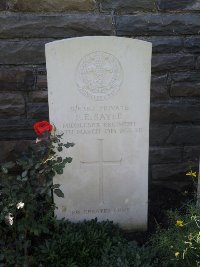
{"x": 99, "y": 75}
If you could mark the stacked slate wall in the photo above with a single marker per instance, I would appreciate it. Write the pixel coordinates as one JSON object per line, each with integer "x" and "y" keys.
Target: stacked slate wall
{"x": 173, "y": 26}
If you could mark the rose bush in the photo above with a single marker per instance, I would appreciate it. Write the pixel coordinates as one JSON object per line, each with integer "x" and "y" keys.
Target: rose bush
{"x": 26, "y": 196}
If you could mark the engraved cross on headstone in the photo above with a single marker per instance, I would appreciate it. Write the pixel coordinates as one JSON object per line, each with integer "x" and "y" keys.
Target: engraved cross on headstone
{"x": 100, "y": 163}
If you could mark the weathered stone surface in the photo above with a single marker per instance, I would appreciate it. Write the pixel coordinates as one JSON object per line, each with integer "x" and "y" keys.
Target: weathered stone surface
{"x": 189, "y": 76}
{"x": 9, "y": 147}
{"x": 192, "y": 43}
{"x": 191, "y": 153}
{"x": 127, "y": 5}
{"x": 41, "y": 78}
{"x": 198, "y": 62}
{"x": 37, "y": 111}
{"x": 159, "y": 134}
{"x": 158, "y": 24}
{"x": 173, "y": 175}
{"x": 41, "y": 81}
{"x": 169, "y": 44}
{"x": 16, "y": 78}
{"x": 165, "y": 155}
{"x": 185, "y": 135}
{"x": 2, "y": 5}
{"x": 177, "y": 111}
{"x": 51, "y": 5}
{"x": 162, "y": 171}
{"x": 11, "y": 98}
{"x": 159, "y": 86}
{"x": 185, "y": 89}
{"x": 18, "y": 134}
{"x": 38, "y": 96}
{"x": 22, "y": 52}
{"x": 54, "y": 25}
{"x": 173, "y": 62}
{"x": 178, "y": 5}
{"x": 16, "y": 129}
{"x": 11, "y": 105}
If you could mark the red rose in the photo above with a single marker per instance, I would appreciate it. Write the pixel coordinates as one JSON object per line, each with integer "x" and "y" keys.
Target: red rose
{"x": 42, "y": 126}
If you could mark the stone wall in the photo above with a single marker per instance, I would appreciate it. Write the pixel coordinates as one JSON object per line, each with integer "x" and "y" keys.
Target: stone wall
{"x": 173, "y": 26}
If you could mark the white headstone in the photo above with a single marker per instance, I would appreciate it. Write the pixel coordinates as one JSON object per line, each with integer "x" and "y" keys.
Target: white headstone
{"x": 99, "y": 97}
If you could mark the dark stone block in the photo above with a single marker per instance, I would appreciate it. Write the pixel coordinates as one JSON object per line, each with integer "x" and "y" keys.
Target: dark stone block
{"x": 22, "y": 52}
{"x": 41, "y": 78}
{"x": 19, "y": 25}
{"x": 185, "y": 89}
{"x": 157, "y": 24}
{"x": 159, "y": 86}
{"x": 159, "y": 134}
{"x": 192, "y": 44}
{"x": 11, "y": 105}
{"x": 173, "y": 62}
{"x": 168, "y": 5}
{"x": 17, "y": 134}
{"x": 16, "y": 78}
{"x": 175, "y": 112}
{"x": 38, "y": 96}
{"x": 159, "y": 155}
{"x": 190, "y": 76}
{"x": 41, "y": 81}
{"x": 185, "y": 135}
{"x": 128, "y": 5}
{"x": 165, "y": 44}
{"x": 42, "y": 70}
{"x": 198, "y": 62}
{"x": 191, "y": 153}
{"x": 12, "y": 98}
{"x": 3, "y": 5}
{"x": 162, "y": 171}
{"x": 52, "y": 5}
{"x": 38, "y": 111}
{"x": 172, "y": 175}
{"x": 16, "y": 129}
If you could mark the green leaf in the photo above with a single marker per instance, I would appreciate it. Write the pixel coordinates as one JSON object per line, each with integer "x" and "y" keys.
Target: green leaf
{"x": 4, "y": 170}
{"x": 60, "y": 149}
{"x": 37, "y": 166}
{"x": 69, "y": 160}
{"x": 24, "y": 174}
{"x": 59, "y": 135}
{"x": 69, "y": 145}
{"x": 36, "y": 232}
{"x": 59, "y": 171}
{"x": 8, "y": 165}
{"x": 19, "y": 178}
{"x": 55, "y": 186}
{"x": 59, "y": 193}
{"x": 25, "y": 179}
{"x": 59, "y": 159}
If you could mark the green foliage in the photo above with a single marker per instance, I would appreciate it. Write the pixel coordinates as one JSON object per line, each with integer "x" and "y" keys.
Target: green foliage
{"x": 179, "y": 245}
{"x": 91, "y": 244}
{"x": 127, "y": 254}
{"x": 26, "y": 206}
{"x": 77, "y": 244}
